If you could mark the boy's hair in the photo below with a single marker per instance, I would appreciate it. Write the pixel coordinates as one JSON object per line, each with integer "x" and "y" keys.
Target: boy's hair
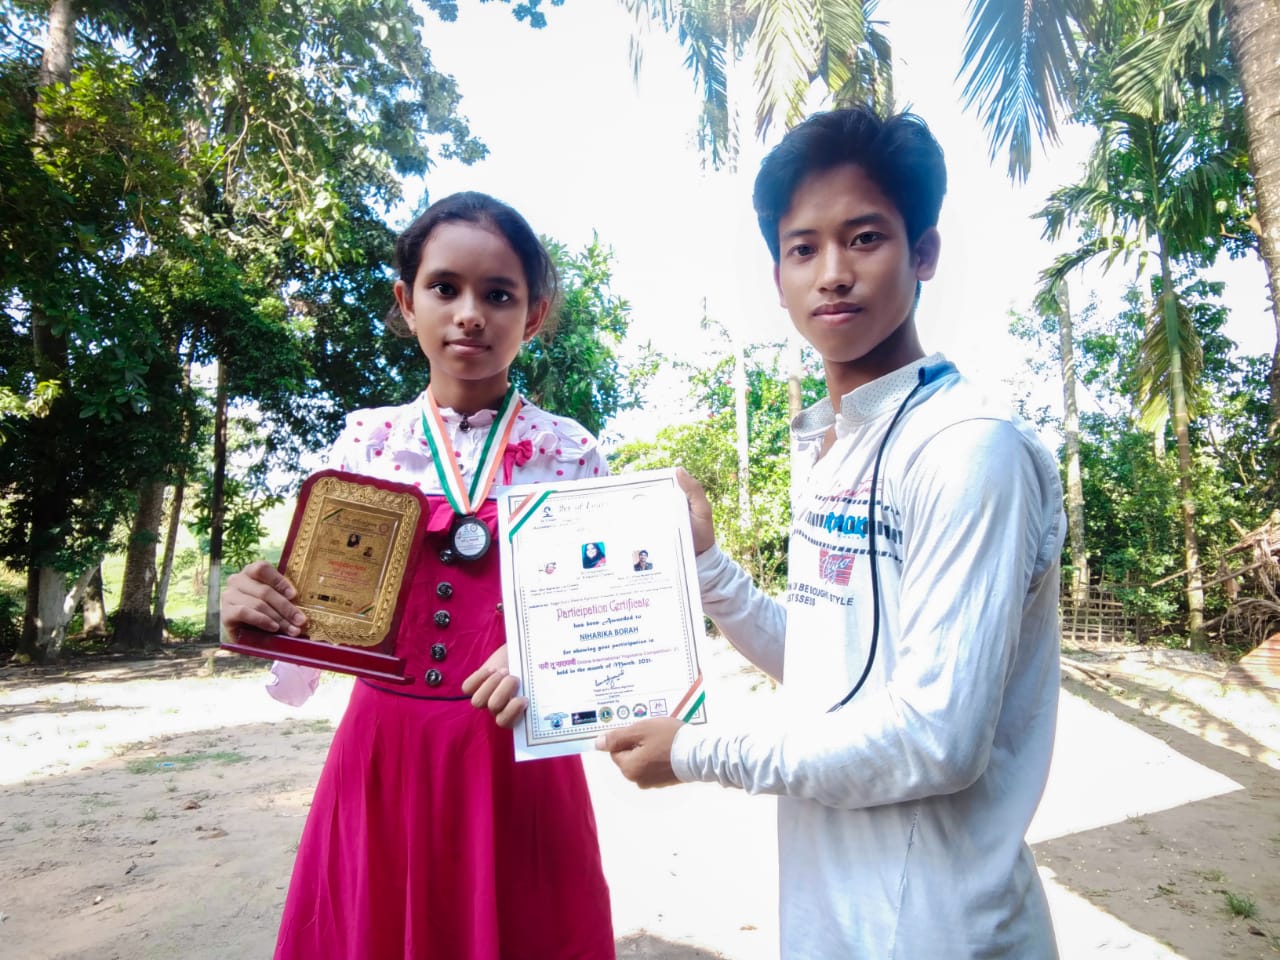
{"x": 898, "y": 153}
{"x": 479, "y": 208}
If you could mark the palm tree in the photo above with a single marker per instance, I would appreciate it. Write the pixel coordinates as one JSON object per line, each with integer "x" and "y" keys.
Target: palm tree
{"x": 1054, "y": 301}
{"x": 796, "y": 44}
{"x": 1022, "y": 64}
{"x": 1152, "y": 190}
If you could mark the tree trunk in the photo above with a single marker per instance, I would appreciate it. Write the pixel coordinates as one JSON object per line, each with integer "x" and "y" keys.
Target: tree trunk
{"x": 49, "y": 607}
{"x": 1071, "y": 432}
{"x": 136, "y": 627}
{"x": 94, "y": 607}
{"x": 795, "y": 376}
{"x": 55, "y": 63}
{"x": 740, "y": 431}
{"x": 170, "y": 545}
{"x": 43, "y": 627}
{"x": 213, "y": 607}
{"x": 1254, "y": 27}
{"x": 1181, "y": 423}
{"x": 175, "y": 507}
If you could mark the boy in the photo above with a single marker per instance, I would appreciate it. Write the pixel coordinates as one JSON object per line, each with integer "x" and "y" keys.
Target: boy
{"x": 918, "y": 640}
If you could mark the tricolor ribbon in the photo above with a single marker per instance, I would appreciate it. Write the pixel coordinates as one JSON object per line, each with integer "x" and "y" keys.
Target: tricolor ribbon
{"x": 465, "y": 502}
{"x": 691, "y": 702}
{"x": 524, "y": 510}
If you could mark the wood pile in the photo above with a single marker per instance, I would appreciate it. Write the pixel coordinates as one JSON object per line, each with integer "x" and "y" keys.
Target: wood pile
{"x": 1249, "y": 572}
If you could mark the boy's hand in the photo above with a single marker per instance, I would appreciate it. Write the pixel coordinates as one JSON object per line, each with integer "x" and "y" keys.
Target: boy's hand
{"x": 493, "y": 688}
{"x": 704, "y": 532}
{"x": 258, "y": 596}
{"x": 642, "y": 751}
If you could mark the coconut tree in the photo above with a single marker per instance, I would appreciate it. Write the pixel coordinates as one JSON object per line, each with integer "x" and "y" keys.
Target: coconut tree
{"x": 1155, "y": 191}
{"x": 1021, "y": 63}
{"x": 834, "y": 44}
{"x": 1054, "y": 301}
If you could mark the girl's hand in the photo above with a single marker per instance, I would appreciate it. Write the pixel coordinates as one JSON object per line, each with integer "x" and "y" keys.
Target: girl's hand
{"x": 493, "y": 688}
{"x": 258, "y": 596}
{"x": 704, "y": 533}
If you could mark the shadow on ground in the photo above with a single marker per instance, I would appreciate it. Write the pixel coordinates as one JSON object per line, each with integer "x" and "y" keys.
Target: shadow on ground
{"x": 1194, "y": 862}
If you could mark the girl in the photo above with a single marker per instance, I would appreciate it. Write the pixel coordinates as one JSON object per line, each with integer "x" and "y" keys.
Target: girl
{"x": 425, "y": 839}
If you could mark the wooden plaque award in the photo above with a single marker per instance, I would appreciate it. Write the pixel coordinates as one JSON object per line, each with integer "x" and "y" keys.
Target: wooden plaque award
{"x": 353, "y": 542}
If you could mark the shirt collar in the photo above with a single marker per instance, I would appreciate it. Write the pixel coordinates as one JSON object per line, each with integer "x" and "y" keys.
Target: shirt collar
{"x": 871, "y": 400}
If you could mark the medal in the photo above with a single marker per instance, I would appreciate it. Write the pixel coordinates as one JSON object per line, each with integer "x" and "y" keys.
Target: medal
{"x": 470, "y": 537}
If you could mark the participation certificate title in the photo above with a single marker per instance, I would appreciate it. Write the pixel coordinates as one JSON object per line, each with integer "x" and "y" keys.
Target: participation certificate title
{"x": 600, "y": 593}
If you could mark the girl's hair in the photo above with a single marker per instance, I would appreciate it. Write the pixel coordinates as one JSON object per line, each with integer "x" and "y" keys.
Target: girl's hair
{"x": 483, "y": 210}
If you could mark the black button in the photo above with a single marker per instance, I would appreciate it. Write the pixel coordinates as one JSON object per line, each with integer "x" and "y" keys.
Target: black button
{"x": 444, "y": 590}
{"x": 438, "y": 652}
{"x": 447, "y": 556}
{"x": 434, "y": 677}
{"x": 442, "y": 618}
{"x": 498, "y": 607}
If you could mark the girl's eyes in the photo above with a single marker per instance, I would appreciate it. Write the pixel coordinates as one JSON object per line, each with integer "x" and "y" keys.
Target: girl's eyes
{"x": 445, "y": 289}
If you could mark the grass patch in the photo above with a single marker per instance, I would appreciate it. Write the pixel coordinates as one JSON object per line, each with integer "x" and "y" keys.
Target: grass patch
{"x": 150, "y": 814}
{"x": 183, "y": 761}
{"x": 318, "y": 725}
{"x": 1241, "y": 905}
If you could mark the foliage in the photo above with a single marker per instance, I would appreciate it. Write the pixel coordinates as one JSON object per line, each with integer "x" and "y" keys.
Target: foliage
{"x": 797, "y": 43}
{"x": 707, "y": 450}
{"x": 1131, "y": 491}
{"x": 1027, "y": 66}
{"x": 1020, "y": 63}
{"x": 572, "y": 368}
{"x": 175, "y": 204}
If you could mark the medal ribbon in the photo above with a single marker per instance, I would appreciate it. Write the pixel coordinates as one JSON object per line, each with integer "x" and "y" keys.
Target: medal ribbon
{"x": 465, "y": 502}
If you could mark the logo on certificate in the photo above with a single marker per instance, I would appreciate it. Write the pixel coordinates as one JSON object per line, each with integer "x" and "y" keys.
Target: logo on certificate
{"x": 658, "y": 708}
{"x": 606, "y": 714}
{"x": 640, "y": 710}
{"x": 556, "y": 720}
{"x": 579, "y": 717}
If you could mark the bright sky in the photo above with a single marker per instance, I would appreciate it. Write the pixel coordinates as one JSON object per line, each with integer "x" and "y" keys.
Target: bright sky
{"x": 576, "y": 145}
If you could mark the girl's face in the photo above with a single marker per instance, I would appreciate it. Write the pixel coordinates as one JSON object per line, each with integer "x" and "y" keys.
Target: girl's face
{"x": 469, "y": 308}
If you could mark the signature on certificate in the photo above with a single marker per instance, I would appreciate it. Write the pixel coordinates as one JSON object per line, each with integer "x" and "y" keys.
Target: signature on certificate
{"x": 611, "y": 679}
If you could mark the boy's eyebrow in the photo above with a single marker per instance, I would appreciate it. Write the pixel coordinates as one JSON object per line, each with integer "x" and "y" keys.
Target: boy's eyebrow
{"x": 866, "y": 219}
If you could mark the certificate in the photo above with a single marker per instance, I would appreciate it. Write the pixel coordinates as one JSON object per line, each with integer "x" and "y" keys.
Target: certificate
{"x": 351, "y": 545}
{"x": 602, "y": 611}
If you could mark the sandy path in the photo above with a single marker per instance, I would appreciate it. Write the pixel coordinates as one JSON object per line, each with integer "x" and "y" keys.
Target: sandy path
{"x": 148, "y": 812}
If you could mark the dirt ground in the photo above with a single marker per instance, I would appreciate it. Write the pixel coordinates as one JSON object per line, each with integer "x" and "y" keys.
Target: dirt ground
{"x": 151, "y": 809}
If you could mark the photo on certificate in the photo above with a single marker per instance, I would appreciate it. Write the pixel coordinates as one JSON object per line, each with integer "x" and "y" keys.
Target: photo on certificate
{"x": 601, "y": 603}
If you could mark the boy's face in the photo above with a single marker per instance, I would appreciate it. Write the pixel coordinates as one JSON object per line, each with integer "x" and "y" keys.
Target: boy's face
{"x": 847, "y": 273}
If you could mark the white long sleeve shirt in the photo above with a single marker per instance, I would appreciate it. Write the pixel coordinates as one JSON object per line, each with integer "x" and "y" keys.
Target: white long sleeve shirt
{"x": 901, "y": 815}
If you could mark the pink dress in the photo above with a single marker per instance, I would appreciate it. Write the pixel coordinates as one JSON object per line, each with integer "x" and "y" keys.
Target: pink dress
{"x": 425, "y": 839}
